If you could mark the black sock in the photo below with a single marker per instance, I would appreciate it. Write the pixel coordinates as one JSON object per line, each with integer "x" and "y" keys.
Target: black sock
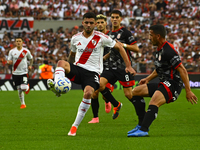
{"x": 149, "y": 117}
{"x": 95, "y": 107}
{"x": 107, "y": 94}
{"x": 139, "y": 105}
{"x": 105, "y": 99}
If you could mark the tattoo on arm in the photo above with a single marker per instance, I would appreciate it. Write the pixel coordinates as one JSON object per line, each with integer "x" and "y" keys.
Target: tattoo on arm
{"x": 71, "y": 59}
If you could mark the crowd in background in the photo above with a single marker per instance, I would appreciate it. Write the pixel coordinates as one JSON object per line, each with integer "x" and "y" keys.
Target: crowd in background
{"x": 180, "y": 17}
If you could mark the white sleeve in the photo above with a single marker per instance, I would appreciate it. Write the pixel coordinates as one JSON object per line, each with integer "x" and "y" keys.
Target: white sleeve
{"x": 108, "y": 42}
{"x": 10, "y": 55}
{"x": 29, "y": 56}
{"x": 52, "y": 70}
{"x": 73, "y": 47}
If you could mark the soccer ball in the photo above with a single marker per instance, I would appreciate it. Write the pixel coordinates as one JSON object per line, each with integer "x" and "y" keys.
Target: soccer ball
{"x": 63, "y": 85}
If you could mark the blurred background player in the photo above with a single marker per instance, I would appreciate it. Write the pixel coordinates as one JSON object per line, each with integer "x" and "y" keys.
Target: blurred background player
{"x": 46, "y": 71}
{"x": 18, "y": 57}
{"x": 171, "y": 73}
{"x": 86, "y": 64}
{"x": 101, "y": 24}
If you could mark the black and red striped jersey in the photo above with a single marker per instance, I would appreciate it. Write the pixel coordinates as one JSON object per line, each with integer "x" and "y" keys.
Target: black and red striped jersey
{"x": 123, "y": 35}
{"x": 167, "y": 60}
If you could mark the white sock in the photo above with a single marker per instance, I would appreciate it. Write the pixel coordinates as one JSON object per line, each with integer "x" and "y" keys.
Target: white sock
{"x": 83, "y": 108}
{"x": 60, "y": 72}
{"x": 21, "y": 96}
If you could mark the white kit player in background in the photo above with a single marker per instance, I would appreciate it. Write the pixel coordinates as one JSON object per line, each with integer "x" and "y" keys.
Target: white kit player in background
{"x": 18, "y": 57}
{"x": 85, "y": 63}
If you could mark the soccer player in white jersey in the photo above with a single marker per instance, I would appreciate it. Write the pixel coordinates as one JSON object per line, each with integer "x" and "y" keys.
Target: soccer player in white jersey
{"x": 18, "y": 57}
{"x": 85, "y": 64}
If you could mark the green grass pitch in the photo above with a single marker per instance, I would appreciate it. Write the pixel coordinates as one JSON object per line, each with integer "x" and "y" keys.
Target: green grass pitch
{"x": 44, "y": 124}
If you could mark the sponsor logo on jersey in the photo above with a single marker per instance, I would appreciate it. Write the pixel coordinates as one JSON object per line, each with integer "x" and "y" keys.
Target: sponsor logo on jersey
{"x": 87, "y": 50}
{"x": 79, "y": 44}
{"x": 83, "y": 110}
{"x": 96, "y": 79}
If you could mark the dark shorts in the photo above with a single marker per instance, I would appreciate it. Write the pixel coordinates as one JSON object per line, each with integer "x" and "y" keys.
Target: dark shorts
{"x": 20, "y": 79}
{"x": 83, "y": 77}
{"x": 170, "y": 89}
{"x": 125, "y": 79}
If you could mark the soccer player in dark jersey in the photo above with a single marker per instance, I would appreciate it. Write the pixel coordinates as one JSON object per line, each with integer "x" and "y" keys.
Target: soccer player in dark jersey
{"x": 101, "y": 23}
{"x": 171, "y": 73}
{"x": 116, "y": 68}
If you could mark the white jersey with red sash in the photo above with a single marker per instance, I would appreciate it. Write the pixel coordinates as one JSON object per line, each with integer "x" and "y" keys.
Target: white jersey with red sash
{"x": 19, "y": 58}
{"x": 89, "y": 51}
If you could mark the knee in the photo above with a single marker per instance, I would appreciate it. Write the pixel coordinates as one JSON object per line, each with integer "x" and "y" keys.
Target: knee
{"x": 136, "y": 92}
{"x": 62, "y": 63}
{"x": 157, "y": 102}
{"x": 128, "y": 95}
{"x": 153, "y": 102}
{"x": 88, "y": 94}
{"x": 102, "y": 87}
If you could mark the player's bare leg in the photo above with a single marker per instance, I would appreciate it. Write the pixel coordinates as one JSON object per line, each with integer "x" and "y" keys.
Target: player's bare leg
{"x": 83, "y": 108}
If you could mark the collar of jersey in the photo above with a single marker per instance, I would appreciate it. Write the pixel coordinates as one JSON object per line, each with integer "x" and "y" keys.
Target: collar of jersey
{"x": 159, "y": 48}
{"x": 117, "y": 29}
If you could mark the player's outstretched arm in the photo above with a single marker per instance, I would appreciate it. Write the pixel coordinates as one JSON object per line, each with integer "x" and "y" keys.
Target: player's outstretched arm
{"x": 105, "y": 57}
{"x": 148, "y": 78}
{"x": 191, "y": 97}
{"x": 133, "y": 47}
{"x": 125, "y": 58}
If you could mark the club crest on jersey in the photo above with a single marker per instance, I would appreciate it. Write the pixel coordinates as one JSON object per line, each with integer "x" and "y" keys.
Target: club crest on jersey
{"x": 159, "y": 57}
{"x": 94, "y": 42}
{"x": 23, "y": 54}
{"x": 160, "y": 54}
{"x": 118, "y": 36}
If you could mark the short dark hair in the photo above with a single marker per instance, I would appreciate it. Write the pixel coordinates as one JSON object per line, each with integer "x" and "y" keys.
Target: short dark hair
{"x": 89, "y": 15}
{"x": 100, "y": 16}
{"x": 158, "y": 29}
{"x": 18, "y": 38}
{"x": 116, "y": 12}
